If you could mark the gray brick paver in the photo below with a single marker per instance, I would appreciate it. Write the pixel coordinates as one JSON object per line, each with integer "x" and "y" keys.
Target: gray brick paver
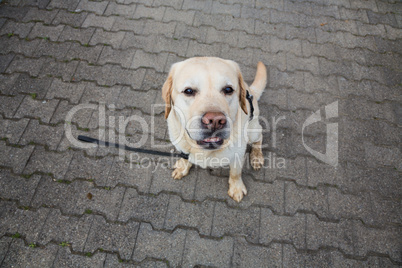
{"x": 56, "y": 54}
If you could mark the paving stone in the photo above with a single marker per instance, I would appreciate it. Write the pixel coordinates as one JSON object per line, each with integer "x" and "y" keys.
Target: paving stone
{"x": 236, "y": 221}
{"x": 123, "y": 173}
{"x": 4, "y": 246}
{"x": 65, "y": 258}
{"x": 204, "y": 6}
{"x": 171, "y": 45}
{"x": 122, "y": 57}
{"x": 5, "y": 61}
{"x": 186, "y": 31}
{"x": 48, "y": 162}
{"x": 148, "y": 208}
{"x": 163, "y": 181}
{"x": 55, "y": 50}
{"x": 61, "y": 70}
{"x": 93, "y": 20}
{"x": 6, "y": 84}
{"x": 95, "y": 73}
{"x": 81, "y": 117}
{"x": 21, "y": 255}
{"x": 129, "y": 26}
{"x": 282, "y": 228}
{"x": 71, "y": 230}
{"x": 172, "y": 3}
{"x": 107, "y": 95}
{"x": 52, "y": 32}
{"x": 36, "y": 108}
{"x": 120, "y": 10}
{"x": 12, "y": 129}
{"x": 336, "y": 258}
{"x": 83, "y": 167}
{"x": 338, "y": 235}
{"x": 224, "y": 22}
{"x": 79, "y": 52}
{"x": 97, "y": 7}
{"x": 72, "y": 19}
{"x": 352, "y": 206}
{"x": 27, "y": 223}
{"x": 36, "y": 14}
{"x": 64, "y": 196}
{"x": 156, "y": 28}
{"x": 189, "y": 214}
{"x": 208, "y": 252}
{"x": 127, "y": 77}
{"x": 76, "y": 34}
{"x": 29, "y": 85}
{"x": 304, "y": 199}
{"x": 16, "y": 28}
{"x": 35, "y": 132}
{"x": 385, "y": 210}
{"x": 353, "y": 14}
{"x": 9, "y": 105}
{"x": 160, "y": 245}
{"x": 65, "y": 90}
{"x": 15, "y": 157}
{"x": 146, "y": 60}
{"x": 245, "y": 255}
{"x": 12, "y": 12}
{"x": 184, "y": 16}
{"x": 155, "y": 13}
{"x": 377, "y": 156}
{"x": 28, "y": 65}
{"x": 384, "y": 241}
{"x": 112, "y": 237}
{"x": 18, "y": 188}
{"x": 109, "y": 38}
{"x": 70, "y": 5}
{"x": 368, "y": 110}
{"x": 200, "y": 50}
{"x": 105, "y": 201}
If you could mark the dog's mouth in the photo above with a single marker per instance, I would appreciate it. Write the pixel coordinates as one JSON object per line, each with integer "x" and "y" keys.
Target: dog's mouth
{"x": 210, "y": 143}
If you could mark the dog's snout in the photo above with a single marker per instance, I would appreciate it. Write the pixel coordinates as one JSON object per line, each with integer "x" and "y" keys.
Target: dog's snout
{"x": 213, "y": 120}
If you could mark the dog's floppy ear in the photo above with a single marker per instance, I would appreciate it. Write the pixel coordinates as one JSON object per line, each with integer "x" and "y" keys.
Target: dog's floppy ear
{"x": 243, "y": 92}
{"x": 242, "y": 87}
{"x": 167, "y": 92}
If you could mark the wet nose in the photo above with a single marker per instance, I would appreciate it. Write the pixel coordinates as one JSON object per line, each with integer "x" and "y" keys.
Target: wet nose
{"x": 213, "y": 120}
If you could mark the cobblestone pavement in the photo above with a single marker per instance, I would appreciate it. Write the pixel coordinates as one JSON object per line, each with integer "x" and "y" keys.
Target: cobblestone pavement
{"x": 61, "y": 205}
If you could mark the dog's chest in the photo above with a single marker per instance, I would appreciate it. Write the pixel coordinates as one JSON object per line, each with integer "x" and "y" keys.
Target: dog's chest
{"x": 217, "y": 159}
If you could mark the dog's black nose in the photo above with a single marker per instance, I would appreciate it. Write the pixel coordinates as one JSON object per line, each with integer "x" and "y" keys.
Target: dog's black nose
{"x": 213, "y": 120}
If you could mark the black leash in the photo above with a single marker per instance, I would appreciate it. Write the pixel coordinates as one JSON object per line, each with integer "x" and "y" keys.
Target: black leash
{"x": 125, "y": 147}
{"x": 249, "y": 97}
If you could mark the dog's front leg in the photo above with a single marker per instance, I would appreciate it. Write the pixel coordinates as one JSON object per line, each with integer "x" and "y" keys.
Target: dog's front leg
{"x": 237, "y": 189}
{"x": 181, "y": 168}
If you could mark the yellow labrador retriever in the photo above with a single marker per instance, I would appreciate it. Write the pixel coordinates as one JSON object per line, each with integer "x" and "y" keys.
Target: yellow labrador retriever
{"x": 212, "y": 116}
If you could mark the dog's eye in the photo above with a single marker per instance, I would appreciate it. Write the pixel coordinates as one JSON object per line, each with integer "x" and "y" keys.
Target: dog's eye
{"x": 189, "y": 92}
{"x": 227, "y": 90}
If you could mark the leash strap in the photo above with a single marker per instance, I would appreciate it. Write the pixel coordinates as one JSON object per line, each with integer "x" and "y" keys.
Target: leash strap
{"x": 249, "y": 97}
{"x": 127, "y": 148}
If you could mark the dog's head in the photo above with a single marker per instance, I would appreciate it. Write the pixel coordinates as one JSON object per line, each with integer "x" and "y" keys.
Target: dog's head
{"x": 206, "y": 95}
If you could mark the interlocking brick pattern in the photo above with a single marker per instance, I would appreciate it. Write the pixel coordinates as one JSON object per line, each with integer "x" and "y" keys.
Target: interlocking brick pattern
{"x": 61, "y": 205}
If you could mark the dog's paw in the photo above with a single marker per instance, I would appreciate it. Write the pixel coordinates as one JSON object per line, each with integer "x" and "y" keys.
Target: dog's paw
{"x": 256, "y": 159}
{"x": 237, "y": 190}
{"x": 181, "y": 169}
{"x": 177, "y": 174}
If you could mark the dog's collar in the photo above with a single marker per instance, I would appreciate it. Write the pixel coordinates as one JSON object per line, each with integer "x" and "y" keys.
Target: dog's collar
{"x": 249, "y": 97}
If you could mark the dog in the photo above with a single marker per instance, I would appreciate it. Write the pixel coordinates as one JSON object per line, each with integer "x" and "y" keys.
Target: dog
{"x": 211, "y": 116}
